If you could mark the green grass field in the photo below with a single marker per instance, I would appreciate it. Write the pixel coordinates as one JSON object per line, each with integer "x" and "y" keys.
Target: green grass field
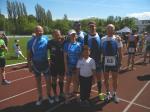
{"x": 11, "y": 53}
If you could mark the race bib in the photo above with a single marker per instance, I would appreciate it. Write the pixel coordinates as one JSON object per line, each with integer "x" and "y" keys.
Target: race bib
{"x": 110, "y": 60}
{"x": 131, "y": 50}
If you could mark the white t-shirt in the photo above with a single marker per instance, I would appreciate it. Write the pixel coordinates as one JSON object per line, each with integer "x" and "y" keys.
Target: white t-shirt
{"x": 86, "y": 66}
{"x": 17, "y": 48}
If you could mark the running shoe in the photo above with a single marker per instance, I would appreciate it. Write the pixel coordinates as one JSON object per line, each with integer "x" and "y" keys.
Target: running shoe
{"x": 115, "y": 98}
{"x": 39, "y": 101}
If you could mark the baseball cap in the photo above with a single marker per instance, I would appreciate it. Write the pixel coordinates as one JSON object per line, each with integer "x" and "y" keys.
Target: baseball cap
{"x": 70, "y": 32}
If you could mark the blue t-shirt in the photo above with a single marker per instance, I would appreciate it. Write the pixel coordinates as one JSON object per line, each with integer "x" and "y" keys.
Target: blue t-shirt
{"x": 73, "y": 51}
{"x": 80, "y": 37}
{"x": 38, "y": 47}
{"x": 94, "y": 43}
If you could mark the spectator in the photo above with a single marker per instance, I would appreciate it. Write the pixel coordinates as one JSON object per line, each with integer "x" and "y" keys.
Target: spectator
{"x": 17, "y": 50}
{"x": 3, "y": 50}
{"x": 5, "y": 38}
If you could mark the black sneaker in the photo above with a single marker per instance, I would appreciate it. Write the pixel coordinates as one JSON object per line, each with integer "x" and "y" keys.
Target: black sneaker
{"x": 5, "y": 82}
{"x": 50, "y": 99}
{"x": 108, "y": 97}
{"x": 115, "y": 98}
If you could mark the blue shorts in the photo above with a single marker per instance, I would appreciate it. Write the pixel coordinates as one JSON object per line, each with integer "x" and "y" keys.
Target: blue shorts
{"x": 71, "y": 70}
{"x": 41, "y": 67}
{"x": 2, "y": 62}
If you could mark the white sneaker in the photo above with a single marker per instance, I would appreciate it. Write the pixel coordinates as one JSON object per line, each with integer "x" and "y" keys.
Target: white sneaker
{"x": 39, "y": 102}
{"x": 50, "y": 99}
{"x": 56, "y": 98}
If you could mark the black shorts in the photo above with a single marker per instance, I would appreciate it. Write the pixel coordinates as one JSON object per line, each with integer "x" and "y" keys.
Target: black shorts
{"x": 148, "y": 48}
{"x": 111, "y": 68}
{"x": 2, "y": 62}
{"x": 57, "y": 69}
{"x": 114, "y": 68}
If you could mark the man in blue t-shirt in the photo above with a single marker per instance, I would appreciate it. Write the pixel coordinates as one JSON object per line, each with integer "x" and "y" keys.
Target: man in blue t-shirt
{"x": 93, "y": 41}
{"x": 80, "y": 34}
{"x": 112, "y": 56}
{"x": 37, "y": 59}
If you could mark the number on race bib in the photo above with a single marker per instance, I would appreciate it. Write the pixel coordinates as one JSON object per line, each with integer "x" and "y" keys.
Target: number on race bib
{"x": 131, "y": 50}
{"x": 110, "y": 60}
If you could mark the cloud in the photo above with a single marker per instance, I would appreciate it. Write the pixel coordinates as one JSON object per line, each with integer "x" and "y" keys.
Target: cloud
{"x": 140, "y": 16}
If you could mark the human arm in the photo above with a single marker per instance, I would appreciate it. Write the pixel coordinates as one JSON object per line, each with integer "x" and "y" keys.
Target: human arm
{"x": 29, "y": 60}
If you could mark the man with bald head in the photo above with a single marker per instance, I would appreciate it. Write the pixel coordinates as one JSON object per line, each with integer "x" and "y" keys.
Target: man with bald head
{"x": 112, "y": 54}
{"x": 37, "y": 58}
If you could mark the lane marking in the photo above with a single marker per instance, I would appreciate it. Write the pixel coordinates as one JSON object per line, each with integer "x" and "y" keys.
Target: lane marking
{"x": 21, "y": 78}
{"x": 22, "y": 93}
{"x": 13, "y": 71}
{"x": 16, "y": 64}
{"x": 128, "y": 101}
{"x": 134, "y": 99}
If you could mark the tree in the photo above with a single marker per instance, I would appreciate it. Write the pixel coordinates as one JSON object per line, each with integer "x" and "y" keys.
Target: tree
{"x": 2, "y": 22}
{"x": 65, "y": 17}
{"x": 147, "y": 28}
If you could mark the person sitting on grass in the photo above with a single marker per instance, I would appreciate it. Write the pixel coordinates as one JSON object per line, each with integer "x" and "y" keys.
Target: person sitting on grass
{"x": 17, "y": 49}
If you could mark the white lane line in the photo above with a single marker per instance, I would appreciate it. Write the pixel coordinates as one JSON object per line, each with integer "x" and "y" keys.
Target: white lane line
{"x": 134, "y": 99}
{"x": 21, "y": 78}
{"x": 128, "y": 101}
{"x": 135, "y": 104}
{"x": 16, "y": 64}
{"x": 13, "y": 71}
{"x": 22, "y": 93}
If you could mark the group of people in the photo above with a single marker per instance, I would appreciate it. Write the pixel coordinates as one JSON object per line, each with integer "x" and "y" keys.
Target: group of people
{"x": 81, "y": 58}
{"x": 137, "y": 45}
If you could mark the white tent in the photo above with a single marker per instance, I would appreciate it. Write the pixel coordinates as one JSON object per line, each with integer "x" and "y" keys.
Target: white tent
{"x": 124, "y": 30}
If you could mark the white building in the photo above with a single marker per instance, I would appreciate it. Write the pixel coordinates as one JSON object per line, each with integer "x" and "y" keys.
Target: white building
{"x": 142, "y": 24}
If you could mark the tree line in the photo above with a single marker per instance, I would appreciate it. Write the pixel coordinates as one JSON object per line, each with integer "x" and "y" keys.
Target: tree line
{"x": 19, "y": 22}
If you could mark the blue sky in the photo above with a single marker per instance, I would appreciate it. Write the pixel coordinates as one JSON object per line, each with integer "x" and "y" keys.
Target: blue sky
{"x": 80, "y": 9}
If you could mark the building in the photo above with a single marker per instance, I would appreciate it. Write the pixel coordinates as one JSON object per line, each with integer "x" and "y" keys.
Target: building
{"x": 142, "y": 24}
